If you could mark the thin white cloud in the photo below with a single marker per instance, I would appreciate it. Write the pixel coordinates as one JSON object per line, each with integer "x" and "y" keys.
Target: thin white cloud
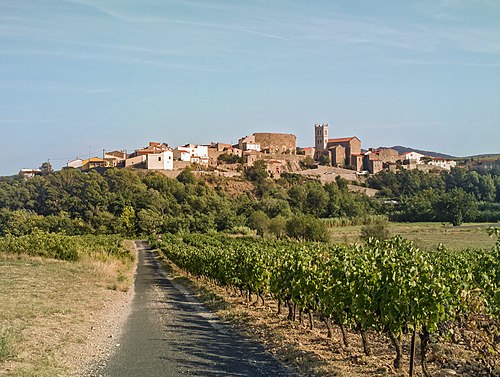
{"x": 121, "y": 16}
{"x": 431, "y": 62}
{"x": 30, "y": 121}
{"x": 188, "y": 66}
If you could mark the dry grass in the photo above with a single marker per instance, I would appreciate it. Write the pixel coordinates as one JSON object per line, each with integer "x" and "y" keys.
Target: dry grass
{"x": 427, "y": 235}
{"x": 49, "y": 308}
{"x": 311, "y": 352}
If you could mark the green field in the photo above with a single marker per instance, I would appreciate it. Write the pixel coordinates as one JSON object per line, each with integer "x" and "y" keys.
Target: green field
{"x": 427, "y": 235}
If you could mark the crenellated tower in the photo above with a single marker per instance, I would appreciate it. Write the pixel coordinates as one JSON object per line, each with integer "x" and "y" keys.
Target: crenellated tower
{"x": 320, "y": 136}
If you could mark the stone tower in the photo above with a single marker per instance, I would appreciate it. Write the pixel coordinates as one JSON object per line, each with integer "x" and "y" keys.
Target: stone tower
{"x": 320, "y": 136}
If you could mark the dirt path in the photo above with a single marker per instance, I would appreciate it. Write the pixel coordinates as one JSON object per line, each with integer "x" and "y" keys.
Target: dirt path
{"x": 169, "y": 333}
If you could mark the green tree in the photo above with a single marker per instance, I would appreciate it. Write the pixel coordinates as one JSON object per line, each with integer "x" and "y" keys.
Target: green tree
{"x": 457, "y": 206}
{"x": 260, "y": 222}
{"x": 186, "y": 176}
{"x": 128, "y": 220}
{"x": 277, "y": 226}
{"x": 307, "y": 227}
{"x": 149, "y": 221}
{"x": 257, "y": 172}
{"x": 324, "y": 159}
{"x": 308, "y": 163}
{"x": 487, "y": 190}
{"x": 46, "y": 168}
{"x": 378, "y": 230}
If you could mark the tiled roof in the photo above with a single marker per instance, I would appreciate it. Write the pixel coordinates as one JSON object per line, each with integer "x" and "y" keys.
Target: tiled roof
{"x": 342, "y": 139}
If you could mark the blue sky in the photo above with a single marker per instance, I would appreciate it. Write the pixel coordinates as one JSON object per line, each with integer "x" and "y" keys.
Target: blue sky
{"x": 87, "y": 75}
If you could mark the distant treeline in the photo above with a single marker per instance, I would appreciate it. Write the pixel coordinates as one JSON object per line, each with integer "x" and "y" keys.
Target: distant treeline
{"x": 128, "y": 202}
{"x": 131, "y": 202}
{"x": 455, "y": 196}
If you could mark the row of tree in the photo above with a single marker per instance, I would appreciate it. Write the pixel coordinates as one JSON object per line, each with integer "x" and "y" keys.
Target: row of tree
{"x": 132, "y": 202}
{"x": 456, "y": 196}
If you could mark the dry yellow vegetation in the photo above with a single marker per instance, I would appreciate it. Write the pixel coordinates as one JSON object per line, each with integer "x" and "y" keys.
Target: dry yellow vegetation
{"x": 50, "y": 309}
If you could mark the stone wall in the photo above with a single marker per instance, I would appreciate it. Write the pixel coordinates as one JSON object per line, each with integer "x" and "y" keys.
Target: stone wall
{"x": 276, "y": 143}
{"x": 388, "y": 155}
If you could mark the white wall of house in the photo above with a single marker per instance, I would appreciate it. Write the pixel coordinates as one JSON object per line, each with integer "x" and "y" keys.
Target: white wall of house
{"x": 414, "y": 156}
{"x": 251, "y": 147}
{"x": 181, "y": 154}
{"x": 160, "y": 161}
{"x": 444, "y": 164}
{"x": 245, "y": 140}
{"x": 192, "y": 153}
{"x": 77, "y": 163}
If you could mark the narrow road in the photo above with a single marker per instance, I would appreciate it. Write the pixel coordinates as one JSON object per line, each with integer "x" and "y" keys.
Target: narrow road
{"x": 169, "y": 333}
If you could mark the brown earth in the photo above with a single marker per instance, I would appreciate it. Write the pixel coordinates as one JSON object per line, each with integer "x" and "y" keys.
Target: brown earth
{"x": 312, "y": 353}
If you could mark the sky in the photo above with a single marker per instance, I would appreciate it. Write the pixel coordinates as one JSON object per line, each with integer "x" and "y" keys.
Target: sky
{"x": 80, "y": 76}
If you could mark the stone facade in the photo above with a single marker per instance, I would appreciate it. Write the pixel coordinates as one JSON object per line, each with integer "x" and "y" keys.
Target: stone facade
{"x": 373, "y": 166}
{"x": 388, "y": 155}
{"x": 320, "y": 136}
{"x": 357, "y": 162}
{"x": 215, "y": 151}
{"x": 351, "y": 145}
{"x": 276, "y": 142}
{"x": 337, "y": 156}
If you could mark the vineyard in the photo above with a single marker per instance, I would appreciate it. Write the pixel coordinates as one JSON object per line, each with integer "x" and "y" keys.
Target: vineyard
{"x": 64, "y": 247}
{"x": 389, "y": 288}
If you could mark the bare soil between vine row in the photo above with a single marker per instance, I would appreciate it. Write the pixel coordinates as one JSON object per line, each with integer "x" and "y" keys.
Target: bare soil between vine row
{"x": 312, "y": 353}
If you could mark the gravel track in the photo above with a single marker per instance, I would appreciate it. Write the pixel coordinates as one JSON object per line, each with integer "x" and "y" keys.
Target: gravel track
{"x": 170, "y": 333}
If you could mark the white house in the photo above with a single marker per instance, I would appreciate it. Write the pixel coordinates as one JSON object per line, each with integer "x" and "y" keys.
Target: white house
{"x": 443, "y": 163}
{"x": 248, "y": 143}
{"x": 192, "y": 153}
{"x": 251, "y": 147}
{"x": 181, "y": 154}
{"x": 160, "y": 161}
{"x": 29, "y": 173}
{"x": 413, "y": 156}
{"x": 76, "y": 163}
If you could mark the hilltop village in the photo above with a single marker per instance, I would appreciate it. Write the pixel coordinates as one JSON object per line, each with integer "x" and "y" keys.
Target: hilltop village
{"x": 279, "y": 151}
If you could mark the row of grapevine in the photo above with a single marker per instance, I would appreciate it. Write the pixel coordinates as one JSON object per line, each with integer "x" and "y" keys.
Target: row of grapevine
{"x": 390, "y": 287}
{"x": 60, "y": 246}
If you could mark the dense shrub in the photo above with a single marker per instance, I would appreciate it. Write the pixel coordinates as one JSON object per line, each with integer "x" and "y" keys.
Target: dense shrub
{"x": 307, "y": 227}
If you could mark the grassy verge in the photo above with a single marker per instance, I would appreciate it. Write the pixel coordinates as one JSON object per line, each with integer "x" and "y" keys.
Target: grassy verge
{"x": 50, "y": 308}
{"x": 426, "y": 235}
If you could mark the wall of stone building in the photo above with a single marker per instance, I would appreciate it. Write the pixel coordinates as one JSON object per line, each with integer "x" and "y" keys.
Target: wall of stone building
{"x": 373, "y": 166}
{"x": 292, "y": 162}
{"x": 338, "y": 156}
{"x": 179, "y": 165}
{"x": 220, "y": 146}
{"x": 355, "y": 146}
{"x": 310, "y": 152}
{"x": 276, "y": 142}
{"x": 137, "y": 161}
{"x": 213, "y": 154}
{"x": 388, "y": 155}
{"x": 391, "y": 167}
{"x": 352, "y": 146}
{"x": 357, "y": 162}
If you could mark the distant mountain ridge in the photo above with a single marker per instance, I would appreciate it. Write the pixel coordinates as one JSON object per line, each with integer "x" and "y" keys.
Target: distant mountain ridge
{"x": 402, "y": 150}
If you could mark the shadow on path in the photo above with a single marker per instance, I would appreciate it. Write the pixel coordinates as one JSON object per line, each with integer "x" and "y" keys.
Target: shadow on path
{"x": 169, "y": 333}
